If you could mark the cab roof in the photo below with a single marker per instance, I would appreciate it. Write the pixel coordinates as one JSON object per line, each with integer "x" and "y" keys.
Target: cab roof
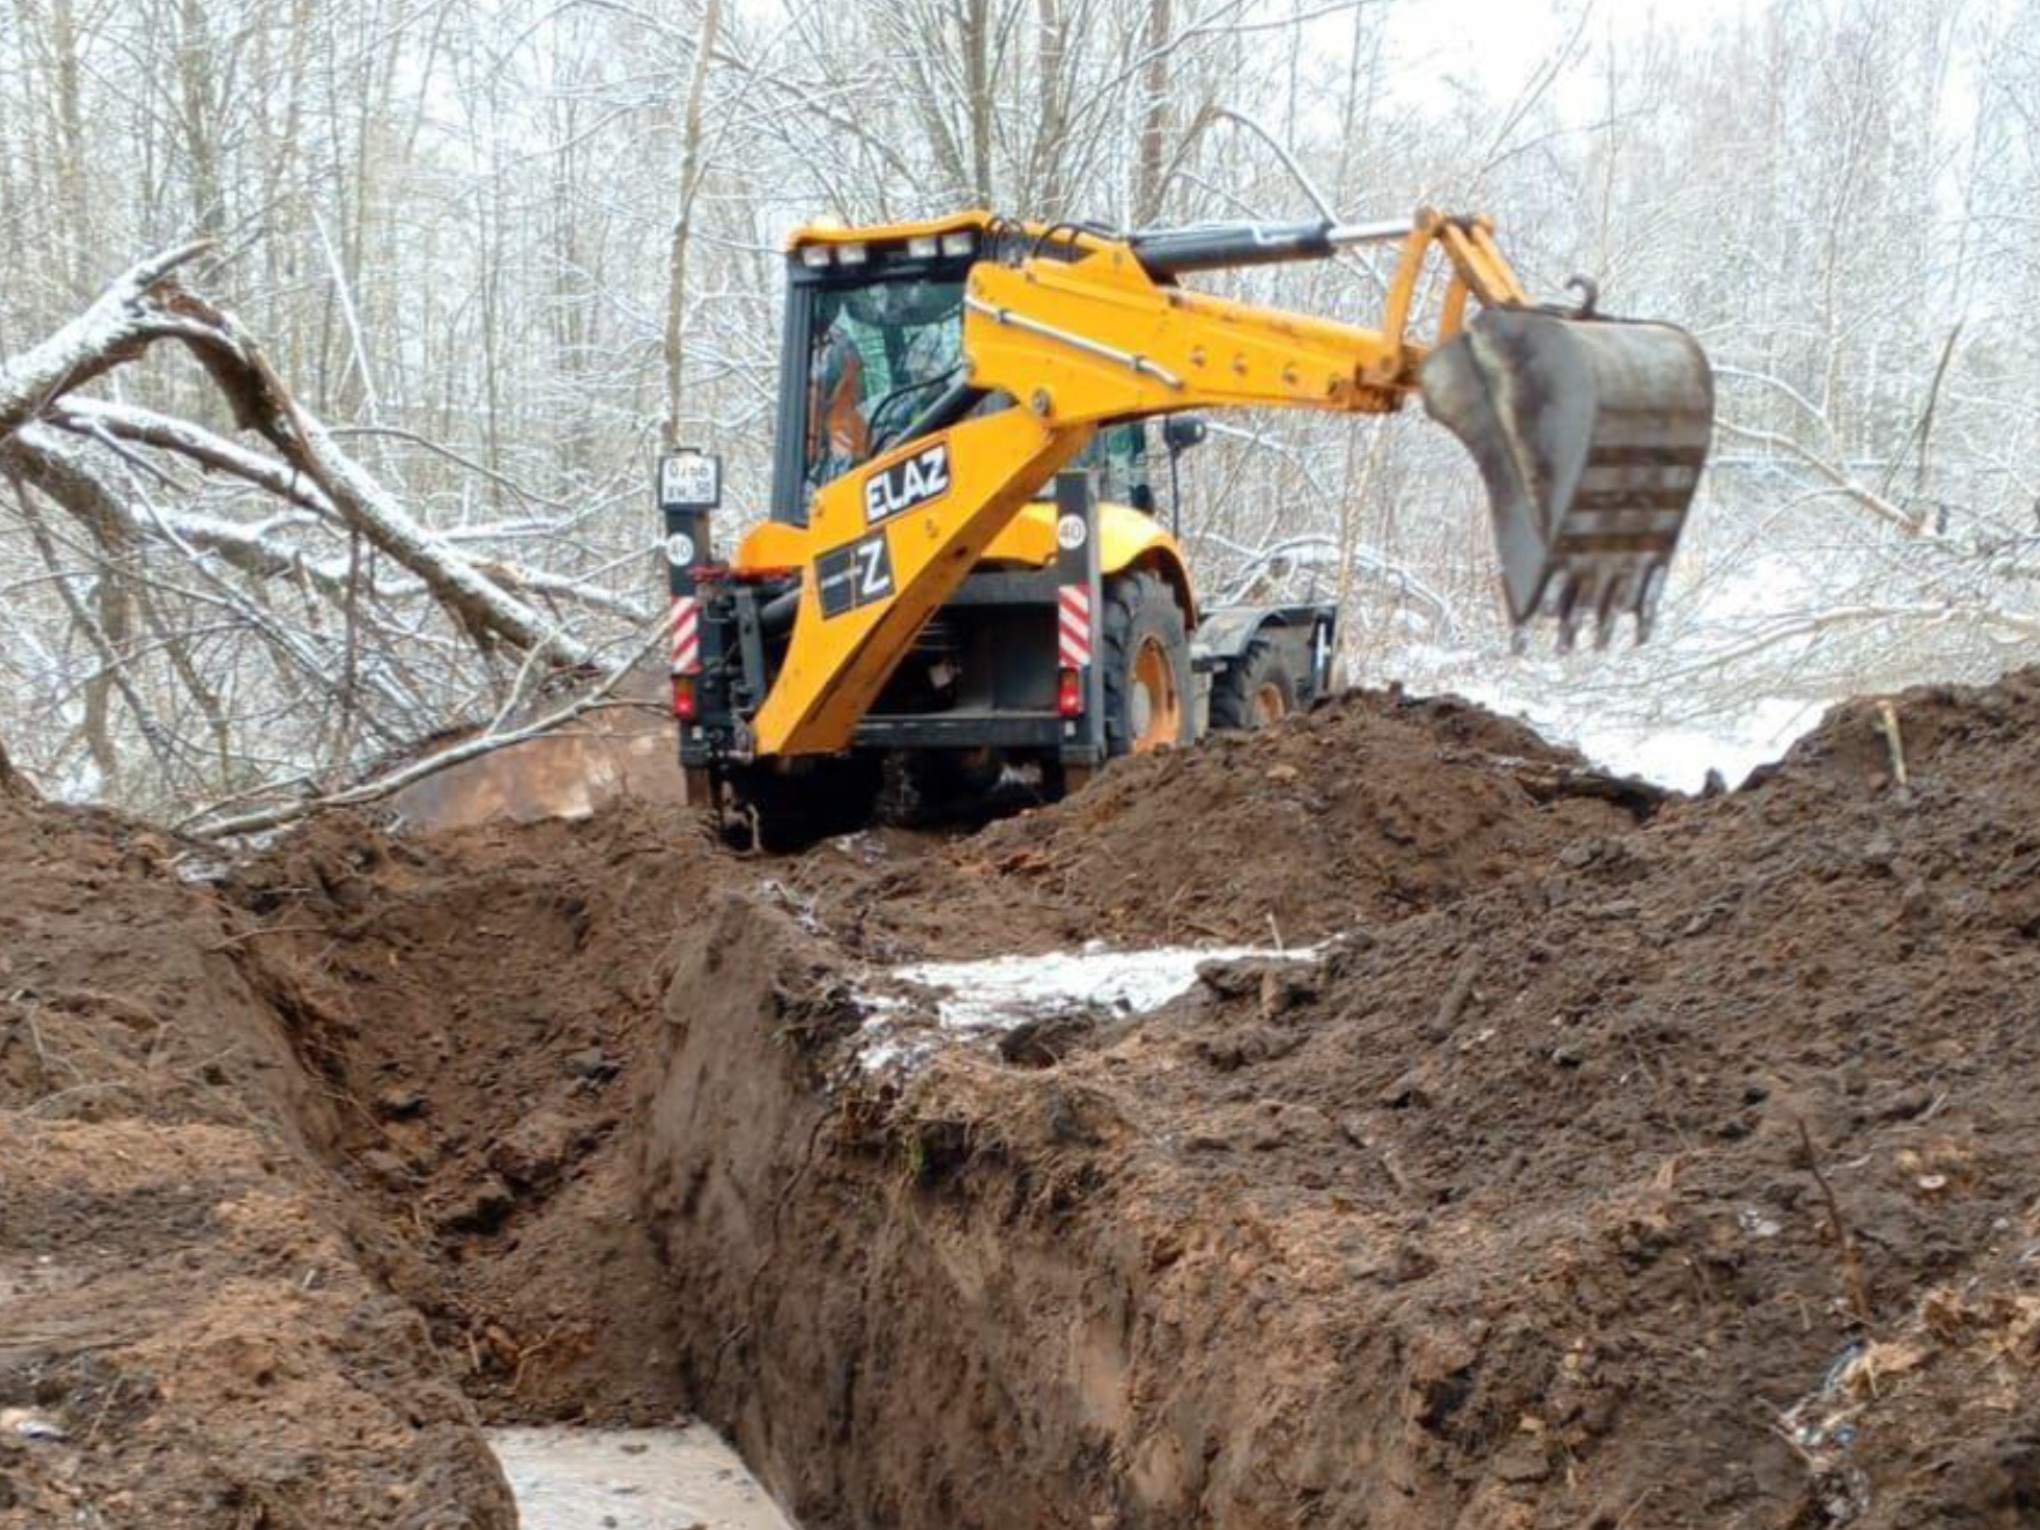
{"x": 833, "y": 232}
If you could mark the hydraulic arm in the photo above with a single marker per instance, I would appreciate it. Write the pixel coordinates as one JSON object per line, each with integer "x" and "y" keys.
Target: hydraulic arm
{"x": 1589, "y": 433}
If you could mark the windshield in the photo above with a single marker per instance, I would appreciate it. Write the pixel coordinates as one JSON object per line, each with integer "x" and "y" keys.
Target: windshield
{"x": 1119, "y": 455}
{"x": 882, "y": 354}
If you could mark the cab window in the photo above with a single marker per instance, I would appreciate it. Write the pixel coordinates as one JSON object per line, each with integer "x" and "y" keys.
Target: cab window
{"x": 1119, "y": 454}
{"x": 881, "y": 355}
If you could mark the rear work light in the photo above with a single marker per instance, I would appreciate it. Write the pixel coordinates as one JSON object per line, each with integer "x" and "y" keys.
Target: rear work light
{"x": 923, "y": 247}
{"x": 686, "y": 704}
{"x": 852, "y": 254}
{"x": 961, "y": 243}
{"x": 814, "y": 256}
{"x": 1069, "y": 693}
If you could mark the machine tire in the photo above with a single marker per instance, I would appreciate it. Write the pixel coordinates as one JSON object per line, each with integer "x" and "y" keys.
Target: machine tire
{"x": 1257, "y": 690}
{"x": 1144, "y": 648}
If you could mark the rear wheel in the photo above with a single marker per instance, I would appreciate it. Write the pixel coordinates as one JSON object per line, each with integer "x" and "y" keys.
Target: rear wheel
{"x": 1145, "y": 651}
{"x": 1255, "y": 692}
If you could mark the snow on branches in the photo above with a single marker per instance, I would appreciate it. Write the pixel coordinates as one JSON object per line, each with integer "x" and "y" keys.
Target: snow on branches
{"x": 146, "y": 576}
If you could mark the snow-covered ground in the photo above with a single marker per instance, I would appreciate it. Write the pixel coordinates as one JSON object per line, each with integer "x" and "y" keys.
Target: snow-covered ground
{"x": 1674, "y": 754}
{"x": 1681, "y": 755}
{"x": 987, "y": 997}
{"x": 1000, "y": 992}
{"x": 632, "y": 1479}
{"x": 1655, "y": 712}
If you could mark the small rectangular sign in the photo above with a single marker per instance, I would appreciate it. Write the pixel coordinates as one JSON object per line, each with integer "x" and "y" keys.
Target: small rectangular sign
{"x": 908, "y": 484}
{"x": 690, "y": 480}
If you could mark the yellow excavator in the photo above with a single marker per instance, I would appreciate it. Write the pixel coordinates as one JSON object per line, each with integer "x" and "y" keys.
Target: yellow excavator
{"x": 964, "y": 580}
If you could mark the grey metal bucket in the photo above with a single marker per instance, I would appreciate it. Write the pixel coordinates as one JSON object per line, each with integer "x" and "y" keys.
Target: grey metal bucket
{"x": 1590, "y": 435}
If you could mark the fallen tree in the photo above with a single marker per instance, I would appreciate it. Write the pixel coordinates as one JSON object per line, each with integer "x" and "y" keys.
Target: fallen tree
{"x": 364, "y": 624}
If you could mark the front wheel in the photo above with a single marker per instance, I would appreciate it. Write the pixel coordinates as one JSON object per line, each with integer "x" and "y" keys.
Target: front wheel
{"x": 1257, "y": 691}
{"x": 1145, "y": 650}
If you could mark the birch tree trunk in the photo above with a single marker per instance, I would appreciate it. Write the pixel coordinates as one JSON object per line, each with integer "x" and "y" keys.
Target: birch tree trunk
{"x": 691, "y": 172}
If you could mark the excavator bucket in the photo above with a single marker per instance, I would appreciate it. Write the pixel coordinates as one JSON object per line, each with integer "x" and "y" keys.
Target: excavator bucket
{"x": 1590, "y": 434}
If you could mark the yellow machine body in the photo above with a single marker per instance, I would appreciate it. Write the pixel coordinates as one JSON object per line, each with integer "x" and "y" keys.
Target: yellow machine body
{"x": 1589, "y": 432}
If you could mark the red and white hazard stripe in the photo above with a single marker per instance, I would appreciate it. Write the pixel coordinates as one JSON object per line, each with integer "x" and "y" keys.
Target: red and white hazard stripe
{"x": 1073, "y": 626}
{"x": 686, "y": 635}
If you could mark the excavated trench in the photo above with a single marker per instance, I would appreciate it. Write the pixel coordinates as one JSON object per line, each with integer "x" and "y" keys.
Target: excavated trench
{"x": 1583, "y": 1158}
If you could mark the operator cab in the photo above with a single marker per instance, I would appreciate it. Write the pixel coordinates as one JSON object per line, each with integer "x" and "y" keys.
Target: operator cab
{"x": 873, "y": 356}
{"x": 873, "y": 340}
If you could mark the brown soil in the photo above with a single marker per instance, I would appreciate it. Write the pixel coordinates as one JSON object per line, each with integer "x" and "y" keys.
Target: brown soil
{"x": 1619, "y": 1163}
{"x": 481, "y": 1001}
{"x": 179, "y": 1304}
{"x": 1371, "y": 808}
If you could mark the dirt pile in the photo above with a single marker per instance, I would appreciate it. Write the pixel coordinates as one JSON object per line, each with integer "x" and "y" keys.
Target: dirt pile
{"x": 1682, "y": 1177}
{"x": 1618, "y": 1162}
{"x": 186, "y": 1337}
{"x": 1371, "y": 808}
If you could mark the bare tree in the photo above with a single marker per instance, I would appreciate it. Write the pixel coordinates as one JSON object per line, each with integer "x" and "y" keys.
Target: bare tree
{"x": 493, "y": 254}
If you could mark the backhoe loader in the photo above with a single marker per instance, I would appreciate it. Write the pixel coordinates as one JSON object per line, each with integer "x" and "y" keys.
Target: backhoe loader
{"x": 964, "y": 579}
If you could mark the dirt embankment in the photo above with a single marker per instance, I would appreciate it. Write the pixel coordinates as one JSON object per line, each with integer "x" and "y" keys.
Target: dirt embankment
{"x": 1371, "y": 808}
{"x": 1682, "y": 1177}
{"x": 186, "y": 1335}
{"x": 483, "y": 1000}
{"x": 1618, "y": 1162}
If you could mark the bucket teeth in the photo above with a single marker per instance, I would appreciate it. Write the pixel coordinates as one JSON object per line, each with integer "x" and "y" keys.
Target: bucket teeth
{"x": 1590, "y": 435}
{"x": 1604, "y": 612}
{"x": 1647, "y": 602}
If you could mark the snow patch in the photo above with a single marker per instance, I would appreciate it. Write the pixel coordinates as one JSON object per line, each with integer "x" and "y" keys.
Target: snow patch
{"x": 991, "y": 996}
{"x": 631, "y": 1479}
{"x": 1680, "y": 756}
{"x": 1671, "y": 750}
{"x": 1001, "y": 992}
